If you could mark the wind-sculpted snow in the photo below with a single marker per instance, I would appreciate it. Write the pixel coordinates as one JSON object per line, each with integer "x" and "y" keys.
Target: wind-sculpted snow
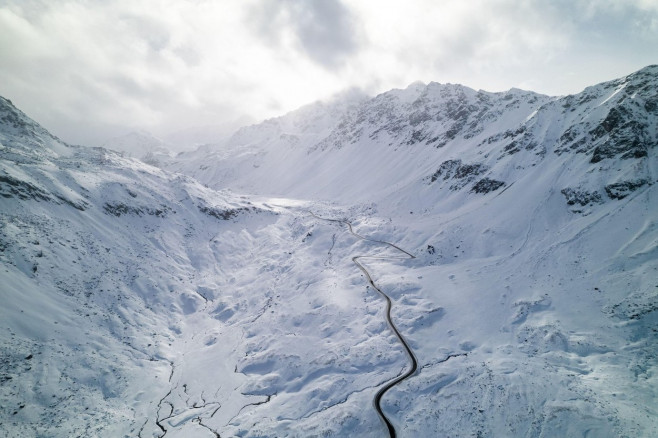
{"x": 137, "y": 302}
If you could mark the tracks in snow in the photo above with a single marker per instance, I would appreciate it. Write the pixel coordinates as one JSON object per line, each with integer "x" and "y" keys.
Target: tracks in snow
{"x": 412, "y": 357}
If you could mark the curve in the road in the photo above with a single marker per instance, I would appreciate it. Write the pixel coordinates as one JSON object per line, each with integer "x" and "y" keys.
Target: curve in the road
{"x": 412, "y": 357}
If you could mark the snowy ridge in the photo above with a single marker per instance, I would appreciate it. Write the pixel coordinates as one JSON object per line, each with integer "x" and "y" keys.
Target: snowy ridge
{"x": 138, "y": 302}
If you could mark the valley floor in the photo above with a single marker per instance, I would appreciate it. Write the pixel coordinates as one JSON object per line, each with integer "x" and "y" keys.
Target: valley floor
{"x": 269, "y": 329}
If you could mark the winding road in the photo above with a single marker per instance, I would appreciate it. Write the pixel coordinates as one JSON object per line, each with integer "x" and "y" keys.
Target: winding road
{"x": 412, "y": 357}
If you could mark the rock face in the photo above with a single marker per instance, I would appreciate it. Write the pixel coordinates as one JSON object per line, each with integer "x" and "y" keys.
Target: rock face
{"x": 486, "y": 185}
{"x": 628, "y": 130}
{"x": 581, "y": 197}
{"x": 624, "y": 188}
{"x": 456, "y": 170}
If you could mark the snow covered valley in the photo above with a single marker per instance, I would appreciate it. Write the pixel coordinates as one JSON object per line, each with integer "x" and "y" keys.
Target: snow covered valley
{"x": 213, "y": 298}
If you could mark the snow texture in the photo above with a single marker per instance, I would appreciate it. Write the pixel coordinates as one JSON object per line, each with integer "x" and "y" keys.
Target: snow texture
{"x": 211, "y": 302}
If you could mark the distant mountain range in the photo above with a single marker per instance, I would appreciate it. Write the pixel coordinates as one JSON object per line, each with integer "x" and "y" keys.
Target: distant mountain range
{"x": 441, "y": 138}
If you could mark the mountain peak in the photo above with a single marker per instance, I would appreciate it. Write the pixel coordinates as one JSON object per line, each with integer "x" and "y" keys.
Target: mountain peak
{"x": 24, "y": 139}
{"x": 646, "y": 78}
{"x": 13, "y": 118}
{"x": 651, "y": 69}
{"x": 416, "y": 85}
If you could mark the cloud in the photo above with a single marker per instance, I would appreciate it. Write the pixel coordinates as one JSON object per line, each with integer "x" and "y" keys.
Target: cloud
{"x": 87, "y": 69}
{"x": 457, "y": 41}
{"x": 324, "y": 30}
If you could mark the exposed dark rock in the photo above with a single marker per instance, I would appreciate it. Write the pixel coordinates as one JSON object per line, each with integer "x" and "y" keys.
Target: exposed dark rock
{"x": 446, "y": 170}
{"x": 636, "y": 306}
{"x": 417, "y": 137}
{"x": 507, "y": 134}
{"x": 466, "y": 170}
{"x": 651, "y": 104}
{"x": 14, "y": 188}
{"x": 568, "y": 136}
{"x": 624, "y": 188}
{"x": 118, "y": 209}
{"x": 486, "y": 185}
{"x": 456, "y": 170}
{"x": 521, "y": 139}
{"x": 628, "y": 137}
{"x": 616, "y": 116}
{"x": 512, "y": 148}
{"x": 581, "y": 197}
{"x": 11, "y": 116}
{"x": 222, "y": 214}
{"x": 632, "y": 147}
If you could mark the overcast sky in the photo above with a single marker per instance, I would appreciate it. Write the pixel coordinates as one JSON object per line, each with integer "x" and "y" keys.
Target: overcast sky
{"x": 88, "y": 70}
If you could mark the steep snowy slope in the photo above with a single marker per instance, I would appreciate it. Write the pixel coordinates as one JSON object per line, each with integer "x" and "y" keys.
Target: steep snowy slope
{"x": 101, "y": 259}
{"x": 141, "y": 303}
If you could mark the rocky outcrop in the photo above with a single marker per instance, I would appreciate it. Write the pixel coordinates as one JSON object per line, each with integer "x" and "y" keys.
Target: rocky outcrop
{"x": 460, "y": 173}
{"x": 486, "y": 185}
{"x": 581, "y": 197}
{"x": 620, "y": 190}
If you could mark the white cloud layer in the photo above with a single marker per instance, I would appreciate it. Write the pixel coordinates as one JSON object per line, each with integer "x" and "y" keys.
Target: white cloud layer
{"x": 91, "y": 69}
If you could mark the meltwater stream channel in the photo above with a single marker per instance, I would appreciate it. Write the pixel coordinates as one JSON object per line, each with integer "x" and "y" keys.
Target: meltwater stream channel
{"x": 412, "y": 357}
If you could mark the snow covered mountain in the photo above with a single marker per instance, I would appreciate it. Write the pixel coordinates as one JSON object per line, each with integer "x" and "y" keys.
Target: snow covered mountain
{"x": 452, "y": 135}
{"x": 138, "y": 302}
